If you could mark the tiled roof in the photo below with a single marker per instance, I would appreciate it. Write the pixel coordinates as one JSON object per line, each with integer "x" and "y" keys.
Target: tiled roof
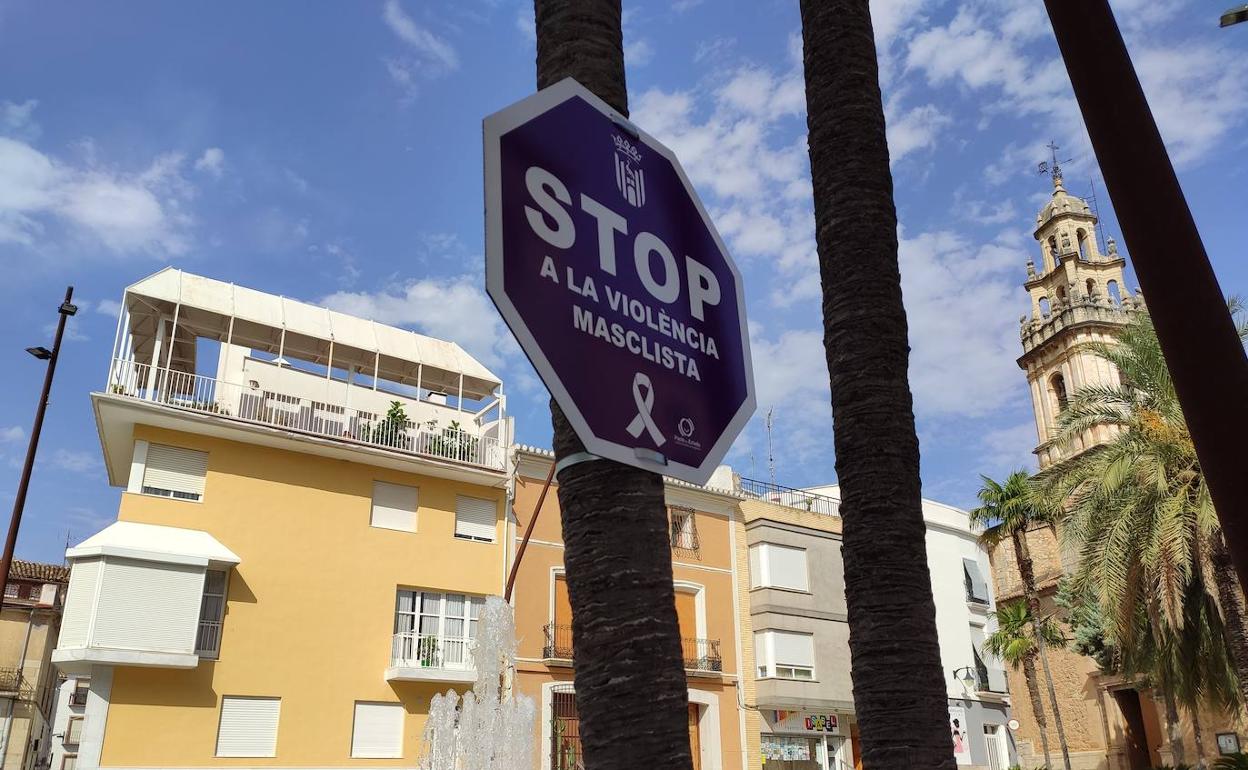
{"x": 33, "y": 570}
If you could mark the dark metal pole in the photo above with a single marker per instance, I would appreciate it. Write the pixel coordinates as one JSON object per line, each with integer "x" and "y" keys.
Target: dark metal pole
{"x": 1196, "y": 332}
{"x": 65, "y": 310}
{"x": 528, "y": 533}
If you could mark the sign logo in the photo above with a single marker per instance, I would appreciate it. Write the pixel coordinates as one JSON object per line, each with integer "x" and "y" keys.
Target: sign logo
{"x": 629, "y": 178}
{"x": 685, "y": 426}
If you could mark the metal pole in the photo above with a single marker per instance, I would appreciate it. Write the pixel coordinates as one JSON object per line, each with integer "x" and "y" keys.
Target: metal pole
{"x": 19, "y": 503}
{"x": 528, "y": 532}
{"x": 1197, "y": 335}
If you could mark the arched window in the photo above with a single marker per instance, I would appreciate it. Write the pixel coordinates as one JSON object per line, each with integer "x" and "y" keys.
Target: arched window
{"x": 1091, "y": 287}
{"x": 1061, "y": 293}
{"x": 1057, "y": 383}
{"x": 1044, "y": 306}
{"x": 1084, "y": 251}
{"x": 1053, "y": 247}
{"x": 1112, "y": 288}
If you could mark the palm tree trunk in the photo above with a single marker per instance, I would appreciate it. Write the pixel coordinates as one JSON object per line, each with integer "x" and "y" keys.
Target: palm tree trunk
{"x": 1173, "y": 734}
{"x": 900, "y": 692}
{"x": 630, "y": 680}
{"x": 1231, "y": 602}
{"x": 1198, "y": 737}
{"x": 1037, "y": 705}
{"x": 1027, "y": 571}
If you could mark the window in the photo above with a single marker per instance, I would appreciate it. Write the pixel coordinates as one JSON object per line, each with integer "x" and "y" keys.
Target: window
{"x": 989, "y": 675}
{"x": 73, "y": 731}
{"x": 435, "y": 630}
{"x": 248, "y": 727}
{"x": 1114, "y": 294}
{"x": 175, "y": 472}
{"x": 211, "y": 614}
{"x": 1082, "y": 237}
{"x": 377, "y": 730}
{"x": 79, "y": 696}
{"x": 69, "y": 761}
{"x": 1091, "y": 287}
{"x": 976, "y": 586}
{"x": 475, "y": 518}
{"x": 1044, "y": 306}
{"x": 1058, "y": 384}
{"x": 785, "y": 654}
{"x": 394, "y": 507}
{"x": 778, "y": 566}
{"x": 12, "y": 590}
{"x": 683, "y": 529}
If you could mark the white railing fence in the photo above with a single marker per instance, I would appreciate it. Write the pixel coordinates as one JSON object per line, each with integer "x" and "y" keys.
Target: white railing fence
{"x": 197, "y": 393}
{"x": 411, "y": 649}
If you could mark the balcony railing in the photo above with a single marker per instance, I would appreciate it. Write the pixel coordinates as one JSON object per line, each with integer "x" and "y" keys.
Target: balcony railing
{"x": 197, "y": 393}
{"x": 790, "y": 497}
{"x": 11, "y": 679}
{"x": 410, "y": 649}
{"x": 698, "y": 654}
{"x": 208, "y": 639}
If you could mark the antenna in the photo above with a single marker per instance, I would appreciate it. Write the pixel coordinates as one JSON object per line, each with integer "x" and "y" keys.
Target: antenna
{"x": 1055, "y": 170}
{"x": 1096, "y": 211}
{"x": 771, "y": 457}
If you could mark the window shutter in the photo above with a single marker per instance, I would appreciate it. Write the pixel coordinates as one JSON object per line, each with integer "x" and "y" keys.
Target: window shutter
{"x": 248, "y": 727}
{"x": 787, "y": 567}
{"x": 979, "y": 588}
{"x": 475, "y": 518}
{"x": 793, "y": 649}
{"x": 74, "y": 732}
{"x": 756, "y": 566}
{"x": 378, "y": 731}
{"x": 394, "y": 507}
{"x": 176, "y": 469}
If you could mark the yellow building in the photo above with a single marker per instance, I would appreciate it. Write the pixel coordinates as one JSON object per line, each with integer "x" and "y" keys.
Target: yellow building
{"x": 303, "y": 541}
{"x": 706, "y": 553}
{"x": 29, "y": 624}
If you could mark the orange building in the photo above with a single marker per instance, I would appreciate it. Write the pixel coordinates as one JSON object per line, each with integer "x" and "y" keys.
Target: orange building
{"x": 704, "y": 567}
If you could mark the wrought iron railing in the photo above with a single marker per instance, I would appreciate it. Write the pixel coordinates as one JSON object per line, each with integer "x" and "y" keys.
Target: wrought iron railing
{"x": 697, "y": 654}
{"x": 790, "y": 497}
{"x": 197, "y": 393}
{"x": 10, "y": 679}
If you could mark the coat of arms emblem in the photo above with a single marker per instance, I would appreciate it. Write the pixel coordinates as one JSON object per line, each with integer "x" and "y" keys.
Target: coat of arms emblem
{"x": 629, "y": 177}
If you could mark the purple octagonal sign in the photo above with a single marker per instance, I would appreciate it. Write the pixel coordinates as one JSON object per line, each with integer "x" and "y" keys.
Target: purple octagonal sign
{"x": 605, "y": 265}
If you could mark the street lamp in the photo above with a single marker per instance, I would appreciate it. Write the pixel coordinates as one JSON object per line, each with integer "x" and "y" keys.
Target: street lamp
{"x": 65, "y": 310}
{"x": 1234, "y": 16}
{"x": 970, "y": 678}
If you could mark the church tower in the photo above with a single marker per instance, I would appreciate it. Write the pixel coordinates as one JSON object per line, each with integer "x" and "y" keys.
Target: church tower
{"x": 1077, "y": 297}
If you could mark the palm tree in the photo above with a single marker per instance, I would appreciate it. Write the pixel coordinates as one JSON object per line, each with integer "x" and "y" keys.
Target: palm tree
{"x": 1141, "y": 518}
{"x": 630, "y": 680}
{"x": 1008, "y": 511}
{"x": 1014, "y": 643}
{"x": 900, "y": 694}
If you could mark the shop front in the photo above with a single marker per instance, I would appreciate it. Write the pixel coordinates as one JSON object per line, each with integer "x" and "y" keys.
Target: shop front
{"x": 800, "y": 740}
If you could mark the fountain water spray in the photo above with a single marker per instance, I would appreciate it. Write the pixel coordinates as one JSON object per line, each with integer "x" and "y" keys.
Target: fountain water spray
{"x": 486, "y": 729}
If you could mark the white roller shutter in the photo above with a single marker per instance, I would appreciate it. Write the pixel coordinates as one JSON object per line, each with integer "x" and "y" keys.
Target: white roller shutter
{"x": 378, "y": 731}
{"x": 978, "y": 587}
{"x": 177, "y": 470}
{"x": 475, "y": 518}
{"x": 793, "y": 649}
{"x": 148, "y": 606}
{"x": 786, "y": 567}
{"x": 248, "y": 727}
{"x": 756, "y": 566}
{"x": 394, "y": 507}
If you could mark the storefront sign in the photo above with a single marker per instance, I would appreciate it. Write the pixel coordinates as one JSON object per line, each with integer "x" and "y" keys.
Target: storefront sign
{"x": 802, "y": 722}
{"x": 961, "y": 741}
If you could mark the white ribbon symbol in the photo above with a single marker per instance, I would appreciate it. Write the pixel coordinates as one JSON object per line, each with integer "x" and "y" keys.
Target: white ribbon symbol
{"x": 645, "y": 403}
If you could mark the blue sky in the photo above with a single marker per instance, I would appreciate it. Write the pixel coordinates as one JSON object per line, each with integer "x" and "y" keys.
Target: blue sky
{"x": 331, "y": 152}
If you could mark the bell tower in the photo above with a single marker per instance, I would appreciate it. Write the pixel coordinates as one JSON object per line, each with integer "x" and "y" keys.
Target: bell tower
{"x": 1077, "y": 297}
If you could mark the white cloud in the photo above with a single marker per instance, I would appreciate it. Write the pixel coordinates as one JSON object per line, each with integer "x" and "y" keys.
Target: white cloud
{"x": 425, "y": 45}
{"x": 17, "y": 120}
{"x": 914, "y": 129}
{"x": 108, "y": 307}
{"x": 1008, "y": 449}
{"x": 75, "y": 461}
{"x": 12, "y": 433}
{"x": 525, "y": 23}
{"x": 454, "y": 309}
{"x": 680, "y": 6}
{"x": 638, "y": 53}
{"x": 125, "y": 211}
{"x": 212, "y": 162}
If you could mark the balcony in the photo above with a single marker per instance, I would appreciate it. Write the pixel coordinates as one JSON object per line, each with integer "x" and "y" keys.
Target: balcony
{"x": 11, "y": 681}
{"x": 789, "y": 497}
{"x": 416, "y": 657}
{"x": 701, "y": 656}
{"x": 252, "y": 404}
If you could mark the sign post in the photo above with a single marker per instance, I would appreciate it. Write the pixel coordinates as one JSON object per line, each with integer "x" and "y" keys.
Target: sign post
{"x": 607, "y": 268}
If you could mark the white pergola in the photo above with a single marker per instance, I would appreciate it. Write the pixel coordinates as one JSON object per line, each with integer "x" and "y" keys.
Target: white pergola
{"x": 163, "y": 315}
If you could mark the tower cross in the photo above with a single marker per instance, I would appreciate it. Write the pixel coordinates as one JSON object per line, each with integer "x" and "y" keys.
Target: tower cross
{"x": 1054, "y": 170}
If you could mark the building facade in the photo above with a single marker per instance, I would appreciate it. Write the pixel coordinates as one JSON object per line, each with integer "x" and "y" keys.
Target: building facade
{"x": 705, "y": 566}
{"x": 29, "y": 624}
{"x": 308, "y": 527}
{"x": 1078, "y": 297}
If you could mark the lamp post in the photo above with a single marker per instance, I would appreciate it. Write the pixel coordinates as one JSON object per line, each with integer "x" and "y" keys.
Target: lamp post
{"x": 970, "y": 678}
{"x": 43, "y": 354}
{"x": 1234, "y": 16}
